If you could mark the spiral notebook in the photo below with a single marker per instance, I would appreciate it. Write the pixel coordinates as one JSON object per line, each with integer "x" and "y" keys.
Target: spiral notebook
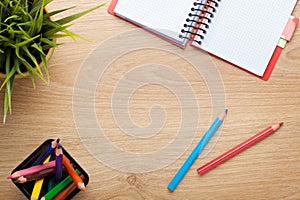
{"x": 242, "y": 32}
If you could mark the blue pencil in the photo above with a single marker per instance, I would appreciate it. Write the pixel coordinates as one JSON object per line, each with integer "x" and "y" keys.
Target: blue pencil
{"x": 48, "y": 151}
{"x": 196, "y": 152}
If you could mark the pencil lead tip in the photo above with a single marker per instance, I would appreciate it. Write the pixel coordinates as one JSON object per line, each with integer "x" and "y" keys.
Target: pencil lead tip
{"x": 9, "y": 177}
{"x": 281, "y": 123}
{"x": 81, "y": 186}
{"x": 226, "y": 110}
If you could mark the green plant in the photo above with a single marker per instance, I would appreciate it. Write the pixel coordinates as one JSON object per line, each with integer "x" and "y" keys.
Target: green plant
{"x": 27, "y": 33}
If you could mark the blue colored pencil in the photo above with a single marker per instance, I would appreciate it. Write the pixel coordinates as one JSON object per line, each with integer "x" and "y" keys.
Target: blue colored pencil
{"x": 58, "y": 164}
{"x": 196, "y": 152}
{"x": 49, "y": 150}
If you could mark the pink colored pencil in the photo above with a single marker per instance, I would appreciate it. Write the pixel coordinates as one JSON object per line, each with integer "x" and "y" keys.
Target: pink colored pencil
{"x": 36, "y": 176}
{"x": 32, "y": 170}
{"x": 239, "y": 148}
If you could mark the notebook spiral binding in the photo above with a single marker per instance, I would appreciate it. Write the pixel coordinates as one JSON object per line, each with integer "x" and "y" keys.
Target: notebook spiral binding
{"x": 199, "y": 19}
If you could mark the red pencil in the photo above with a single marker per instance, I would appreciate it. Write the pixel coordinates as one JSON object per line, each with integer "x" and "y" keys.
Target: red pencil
{"x": 239, "y": 148}
{"x": 32, "y": 170}
{"x": 67, "y": 191}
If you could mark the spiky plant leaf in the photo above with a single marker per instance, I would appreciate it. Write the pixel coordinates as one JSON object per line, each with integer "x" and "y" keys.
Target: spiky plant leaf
{"x": 50, "y": 14}
{"x": 76, "y": 16}
{"x": 27, "y": 33}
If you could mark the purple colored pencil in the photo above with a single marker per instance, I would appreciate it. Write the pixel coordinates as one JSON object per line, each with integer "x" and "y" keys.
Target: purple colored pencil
{"x": 59, "y": 164}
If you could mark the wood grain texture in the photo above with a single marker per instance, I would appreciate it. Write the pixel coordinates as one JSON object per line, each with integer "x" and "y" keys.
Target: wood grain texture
{"x": 269, "y": 170}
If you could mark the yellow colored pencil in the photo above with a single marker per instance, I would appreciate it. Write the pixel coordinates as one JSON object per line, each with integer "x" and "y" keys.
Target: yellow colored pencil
{"x": 38, "y": 185}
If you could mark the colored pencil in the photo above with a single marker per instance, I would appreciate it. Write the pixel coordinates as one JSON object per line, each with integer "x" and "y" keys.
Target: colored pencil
{"x": 38, "y": 185}
{"x": 59, "y": 187}
{"x": 239, "y": 148}
{"x": 73, "y": 174}
{"x": 68, "y": 190}
{"x": 51, "y": 183}
{"x": 36, "y": 176}
{"x": 195, "y": 153}
{"x": 32, "y": 170}
{"x": 58, "y": 165}
{"x": 49, "y": 150}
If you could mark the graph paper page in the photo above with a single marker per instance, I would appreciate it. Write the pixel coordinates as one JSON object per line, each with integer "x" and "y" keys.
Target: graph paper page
{"x": 164, "y": 17}
{"x": 246, "y": 33}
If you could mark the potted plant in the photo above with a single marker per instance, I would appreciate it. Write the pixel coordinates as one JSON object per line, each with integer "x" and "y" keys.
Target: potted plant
{"x": 28, "y": 35}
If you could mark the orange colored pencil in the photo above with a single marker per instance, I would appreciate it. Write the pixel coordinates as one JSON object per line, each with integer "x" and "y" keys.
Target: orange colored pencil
{"x": 67, "y": 191}
{"x": 73, "y": 174}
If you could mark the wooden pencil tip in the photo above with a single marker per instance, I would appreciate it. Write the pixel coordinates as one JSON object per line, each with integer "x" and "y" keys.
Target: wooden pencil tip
{"x": 81, "y": 186}
{"x": 281, "y": 123}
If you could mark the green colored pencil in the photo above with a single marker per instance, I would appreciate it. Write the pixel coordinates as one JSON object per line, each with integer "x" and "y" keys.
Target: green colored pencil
{"x": 59, "y": 187}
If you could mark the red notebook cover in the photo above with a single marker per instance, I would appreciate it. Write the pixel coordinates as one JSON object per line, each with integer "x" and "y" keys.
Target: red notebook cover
{"x": 111, "y": 8}
{"x": 268, "y": 70}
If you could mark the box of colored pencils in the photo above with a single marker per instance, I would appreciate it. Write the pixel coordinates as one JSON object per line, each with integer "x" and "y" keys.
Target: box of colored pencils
{"x": 49, "y": 172}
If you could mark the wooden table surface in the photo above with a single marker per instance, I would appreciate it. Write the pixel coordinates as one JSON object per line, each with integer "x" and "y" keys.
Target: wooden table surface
{"x": 268, "y": 170}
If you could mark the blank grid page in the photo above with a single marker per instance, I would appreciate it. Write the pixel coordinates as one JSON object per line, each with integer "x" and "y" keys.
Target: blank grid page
{"x": 165, "y": 17}
{"x": 246, "y": 33}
